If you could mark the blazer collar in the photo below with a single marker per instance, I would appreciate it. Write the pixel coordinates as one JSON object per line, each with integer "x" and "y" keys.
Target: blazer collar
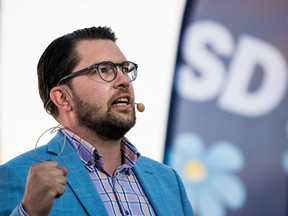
{"x": 77, "y": 176}
{"x": 150, "y": 181}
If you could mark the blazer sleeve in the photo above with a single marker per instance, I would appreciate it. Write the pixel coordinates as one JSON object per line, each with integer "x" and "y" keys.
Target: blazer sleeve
{"x": 12, "y": 186}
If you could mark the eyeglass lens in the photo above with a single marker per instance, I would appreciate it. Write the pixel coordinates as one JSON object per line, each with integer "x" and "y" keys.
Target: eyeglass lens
{"x": 108, "y": 71}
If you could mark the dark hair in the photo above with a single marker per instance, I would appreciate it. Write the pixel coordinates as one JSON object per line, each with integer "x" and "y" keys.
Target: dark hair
{"x": 60, "y": 58}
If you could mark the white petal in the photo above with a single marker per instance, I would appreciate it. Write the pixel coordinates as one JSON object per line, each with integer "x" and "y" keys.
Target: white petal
{"x": 189, "y": 144}
{"x": 231, "y": 190}
{"x": 209, "y": 205}
{"x": 225, "y": 156}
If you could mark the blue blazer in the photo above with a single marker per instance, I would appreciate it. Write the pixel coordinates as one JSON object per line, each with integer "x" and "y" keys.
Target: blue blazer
{"x": 161, "y": 184}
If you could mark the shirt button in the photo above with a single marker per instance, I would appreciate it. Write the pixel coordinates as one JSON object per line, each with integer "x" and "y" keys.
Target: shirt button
{"x": 127, "y": 212}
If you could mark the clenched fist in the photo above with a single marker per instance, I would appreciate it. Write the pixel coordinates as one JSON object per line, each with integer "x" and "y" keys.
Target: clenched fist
{"x": 46, "y": 181}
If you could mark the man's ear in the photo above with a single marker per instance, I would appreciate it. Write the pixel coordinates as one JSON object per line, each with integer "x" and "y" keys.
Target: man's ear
{"x": 61, "y": 98}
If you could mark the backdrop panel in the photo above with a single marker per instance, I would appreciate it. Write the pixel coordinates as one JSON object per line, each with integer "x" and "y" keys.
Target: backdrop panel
{"x": 227, "y": 129}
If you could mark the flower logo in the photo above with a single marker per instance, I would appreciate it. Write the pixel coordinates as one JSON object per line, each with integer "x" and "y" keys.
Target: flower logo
{"x": 208, "y": 175}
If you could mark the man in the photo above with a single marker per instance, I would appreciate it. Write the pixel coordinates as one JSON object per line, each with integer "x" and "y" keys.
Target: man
{"x": 89, "y": 167}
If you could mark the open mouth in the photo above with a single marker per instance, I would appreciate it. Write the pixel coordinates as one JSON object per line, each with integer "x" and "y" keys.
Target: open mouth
{"x": 121, "y": 102}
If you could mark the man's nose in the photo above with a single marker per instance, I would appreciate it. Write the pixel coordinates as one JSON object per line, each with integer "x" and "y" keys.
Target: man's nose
{"x": 122, "y": 79}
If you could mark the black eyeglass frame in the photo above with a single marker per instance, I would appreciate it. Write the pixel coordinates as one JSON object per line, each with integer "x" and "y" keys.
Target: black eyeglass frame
{"x": 96, "y": 66}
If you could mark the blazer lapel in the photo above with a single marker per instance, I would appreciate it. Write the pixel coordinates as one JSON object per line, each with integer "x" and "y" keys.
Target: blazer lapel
{"x": 78, "y": 178}
{"x": 151, "y": 183}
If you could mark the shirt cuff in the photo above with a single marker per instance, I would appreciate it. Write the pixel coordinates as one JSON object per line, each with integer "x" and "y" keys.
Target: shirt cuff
{"x": 21, "y": 210}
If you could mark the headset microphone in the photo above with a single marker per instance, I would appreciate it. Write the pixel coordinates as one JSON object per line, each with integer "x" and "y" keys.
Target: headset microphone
{"x": 140, "y": 107}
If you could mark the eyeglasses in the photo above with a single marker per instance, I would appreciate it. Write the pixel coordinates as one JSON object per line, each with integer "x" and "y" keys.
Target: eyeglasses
{"x": 106, "y": 71}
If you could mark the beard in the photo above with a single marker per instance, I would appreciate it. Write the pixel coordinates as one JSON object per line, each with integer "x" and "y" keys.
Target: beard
{"x": 108, "y": 125}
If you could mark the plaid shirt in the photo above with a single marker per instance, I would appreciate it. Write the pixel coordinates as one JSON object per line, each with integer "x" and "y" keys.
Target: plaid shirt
{"x": 121, "y": 193}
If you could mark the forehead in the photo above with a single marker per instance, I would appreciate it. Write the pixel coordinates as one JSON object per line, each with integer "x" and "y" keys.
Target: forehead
{"x": 94, "y": 51}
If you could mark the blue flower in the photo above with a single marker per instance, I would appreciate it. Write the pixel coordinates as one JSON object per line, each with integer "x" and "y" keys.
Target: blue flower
{"x": 209, "y": 175}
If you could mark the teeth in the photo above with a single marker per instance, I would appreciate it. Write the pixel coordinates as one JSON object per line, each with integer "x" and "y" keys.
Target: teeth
{"x": 121, "y": 101}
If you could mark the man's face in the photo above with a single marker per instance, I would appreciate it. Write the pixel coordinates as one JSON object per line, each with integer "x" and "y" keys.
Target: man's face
{"x": 105, "y": 108}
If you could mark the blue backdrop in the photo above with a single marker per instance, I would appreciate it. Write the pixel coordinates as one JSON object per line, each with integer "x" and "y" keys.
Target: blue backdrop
{"x": 227, "y": 132}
